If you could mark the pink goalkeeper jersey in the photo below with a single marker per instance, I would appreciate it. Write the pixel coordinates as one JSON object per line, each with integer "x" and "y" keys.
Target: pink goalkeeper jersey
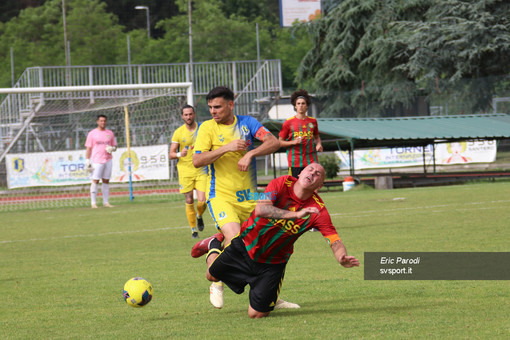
{"x": 98, "y": 140}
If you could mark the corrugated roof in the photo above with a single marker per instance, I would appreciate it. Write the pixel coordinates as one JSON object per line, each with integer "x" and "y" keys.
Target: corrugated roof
{"x": 406, "y": 131}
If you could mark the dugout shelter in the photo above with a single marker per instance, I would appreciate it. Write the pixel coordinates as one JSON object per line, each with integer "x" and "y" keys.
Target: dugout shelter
{"x": 358, "y": 133}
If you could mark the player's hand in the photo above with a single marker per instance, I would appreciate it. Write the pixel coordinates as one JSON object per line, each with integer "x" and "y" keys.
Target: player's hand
{"x": 298, "y": 140}
{"x": 237, "y": 145}
{"x": 305, "y": 212}
{"x": 110, "y": 149}
{"x": 244, "y": 163}
{"x": 184, "y": 152}
{"x": 319, "y": 148}
{"x": 349, "y": 261}
{"x": 88, "y": 166}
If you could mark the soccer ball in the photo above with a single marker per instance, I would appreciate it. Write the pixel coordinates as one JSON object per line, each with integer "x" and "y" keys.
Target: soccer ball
{"x": 138, "y": 292}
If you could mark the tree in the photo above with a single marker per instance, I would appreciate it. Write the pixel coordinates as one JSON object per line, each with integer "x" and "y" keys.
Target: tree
{"x": 37, "y": 36}
{"x": 252, "y": 9}
{"x": 223, "y": 30}
{"x": 220, "y": 37}
{"x": 289, "y": 44}
{"x": 468, "y": 47}
{"x": 377, "y": 57}
{"x": 95, "y": 36}
{"x": 10, "y": 9}
{"x": 133, "y": 19}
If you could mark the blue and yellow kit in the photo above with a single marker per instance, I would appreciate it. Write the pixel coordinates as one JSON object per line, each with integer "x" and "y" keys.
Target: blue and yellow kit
{"x": 189, "y": 177}
{"x": 230, "y": 191}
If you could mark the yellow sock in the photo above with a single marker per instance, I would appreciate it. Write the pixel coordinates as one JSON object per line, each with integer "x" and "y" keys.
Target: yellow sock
{"x": 191, "y": 214}
{"x": 200, "y": 208}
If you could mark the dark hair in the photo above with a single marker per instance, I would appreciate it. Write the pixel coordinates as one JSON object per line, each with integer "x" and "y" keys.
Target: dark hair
{"x": 300, "y": 93}
{"x": 101, "y": 116}
{"x": 187, "y": 106}
{"x": 220, "y": 91}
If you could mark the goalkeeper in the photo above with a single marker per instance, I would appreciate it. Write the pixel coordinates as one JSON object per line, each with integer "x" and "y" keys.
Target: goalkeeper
{"x": 100, "y": 144}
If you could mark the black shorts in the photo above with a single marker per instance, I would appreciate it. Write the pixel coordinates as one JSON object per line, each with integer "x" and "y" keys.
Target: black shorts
{"x": 236, "y": 269}
{"x": 295, "y": 171}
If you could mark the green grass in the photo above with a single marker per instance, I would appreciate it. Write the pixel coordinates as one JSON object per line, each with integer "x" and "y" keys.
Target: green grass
{"x": 63, "y": 271}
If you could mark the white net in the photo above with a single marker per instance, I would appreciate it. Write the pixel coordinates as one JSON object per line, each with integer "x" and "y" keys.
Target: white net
{"x": 43, "y": 137}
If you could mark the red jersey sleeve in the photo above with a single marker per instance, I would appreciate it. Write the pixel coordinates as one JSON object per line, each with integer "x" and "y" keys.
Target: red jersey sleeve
{"x": 325, "y": 226}
{"x": 284, "y": 132}
{"x": 316, "y": 128}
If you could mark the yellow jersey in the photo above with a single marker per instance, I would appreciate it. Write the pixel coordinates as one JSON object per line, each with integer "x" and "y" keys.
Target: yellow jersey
{"x": 186, "y": 140}
{"x": 225, "y": 179}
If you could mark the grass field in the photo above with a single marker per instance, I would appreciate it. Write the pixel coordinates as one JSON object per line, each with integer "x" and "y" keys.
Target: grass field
{"x": 63, "y": 271}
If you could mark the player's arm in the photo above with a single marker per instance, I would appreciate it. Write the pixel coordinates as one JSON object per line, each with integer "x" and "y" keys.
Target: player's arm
{"x": 204, "y": 158}
{"x": 341, "y": 256}
{"x": 286, "y": 143}
{"x": 318, "y": 143}
{"x": 283, "y": 135}
{"x": 173, "y": 154}
{"x": 266, "y": 209}
{"x": 269, "y": 145}
{"x": 88, "y": 153}
{"x": 317, "y": 138}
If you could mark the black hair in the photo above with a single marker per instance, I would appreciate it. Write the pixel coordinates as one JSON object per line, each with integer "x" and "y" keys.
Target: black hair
{"x": 300, "y": 93}
{"x": 187, "y": 106}
{"x": 220, "y": 91}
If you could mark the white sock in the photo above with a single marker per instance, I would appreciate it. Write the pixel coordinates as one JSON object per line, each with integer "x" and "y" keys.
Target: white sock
{"x": 93, "y": 193}
{"x": 105, "y": 189}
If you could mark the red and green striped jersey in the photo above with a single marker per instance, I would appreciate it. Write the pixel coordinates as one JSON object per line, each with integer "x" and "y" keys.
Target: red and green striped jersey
{"x": 302, "y": 154}
{"x": 272, "y": 240}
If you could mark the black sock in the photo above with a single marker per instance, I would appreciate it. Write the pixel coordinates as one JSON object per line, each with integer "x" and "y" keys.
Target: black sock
{"x": 215, "y": 244}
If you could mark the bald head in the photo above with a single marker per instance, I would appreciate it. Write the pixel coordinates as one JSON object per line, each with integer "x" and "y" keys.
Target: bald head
{"x": 312, "y": 177}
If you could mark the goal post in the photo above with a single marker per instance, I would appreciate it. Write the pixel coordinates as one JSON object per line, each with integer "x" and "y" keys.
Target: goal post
{"x": 43, "y": 132}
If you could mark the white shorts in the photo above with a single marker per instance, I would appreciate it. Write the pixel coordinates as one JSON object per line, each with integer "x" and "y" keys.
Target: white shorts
{"x": 102, "y": 171}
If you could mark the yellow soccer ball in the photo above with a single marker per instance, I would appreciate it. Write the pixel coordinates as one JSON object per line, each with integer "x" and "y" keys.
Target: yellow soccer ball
{"x": 138, "y": 292}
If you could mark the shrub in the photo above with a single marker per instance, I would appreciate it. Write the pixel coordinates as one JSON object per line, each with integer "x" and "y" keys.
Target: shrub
{"x": 331, "y": 164}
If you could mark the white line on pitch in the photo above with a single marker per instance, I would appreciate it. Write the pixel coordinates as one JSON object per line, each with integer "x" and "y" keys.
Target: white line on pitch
{"x": 420, "y": 208}
{"x": 93, "y": 235}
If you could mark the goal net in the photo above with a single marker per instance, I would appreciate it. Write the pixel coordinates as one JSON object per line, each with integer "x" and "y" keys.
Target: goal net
{"x": 42, "y": 143}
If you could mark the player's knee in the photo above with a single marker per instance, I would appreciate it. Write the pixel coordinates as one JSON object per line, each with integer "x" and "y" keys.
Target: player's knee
{"x": 252, "y": 313}
{"x": 230, "y": 230}
{"x": 188, "y": 197}
{"x": 210, "y": 277}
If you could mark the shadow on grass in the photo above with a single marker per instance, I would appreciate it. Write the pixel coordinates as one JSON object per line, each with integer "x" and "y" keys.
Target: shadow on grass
{"x": 343, "y": 305}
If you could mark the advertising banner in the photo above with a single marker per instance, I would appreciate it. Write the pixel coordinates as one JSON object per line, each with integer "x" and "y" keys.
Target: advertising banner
{"x": 68, "y": 167}
{"x": 464, "y": 152}
{"x": 147, "y": 162}
{"x": 300, "y": 10}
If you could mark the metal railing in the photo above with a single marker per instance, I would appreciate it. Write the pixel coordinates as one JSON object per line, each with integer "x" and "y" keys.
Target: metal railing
{"x": 250, "y": 81}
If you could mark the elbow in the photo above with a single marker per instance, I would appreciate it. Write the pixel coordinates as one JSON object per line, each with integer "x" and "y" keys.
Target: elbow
{"x": 195, "y": 161}
{"x": 276, "y": 144}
